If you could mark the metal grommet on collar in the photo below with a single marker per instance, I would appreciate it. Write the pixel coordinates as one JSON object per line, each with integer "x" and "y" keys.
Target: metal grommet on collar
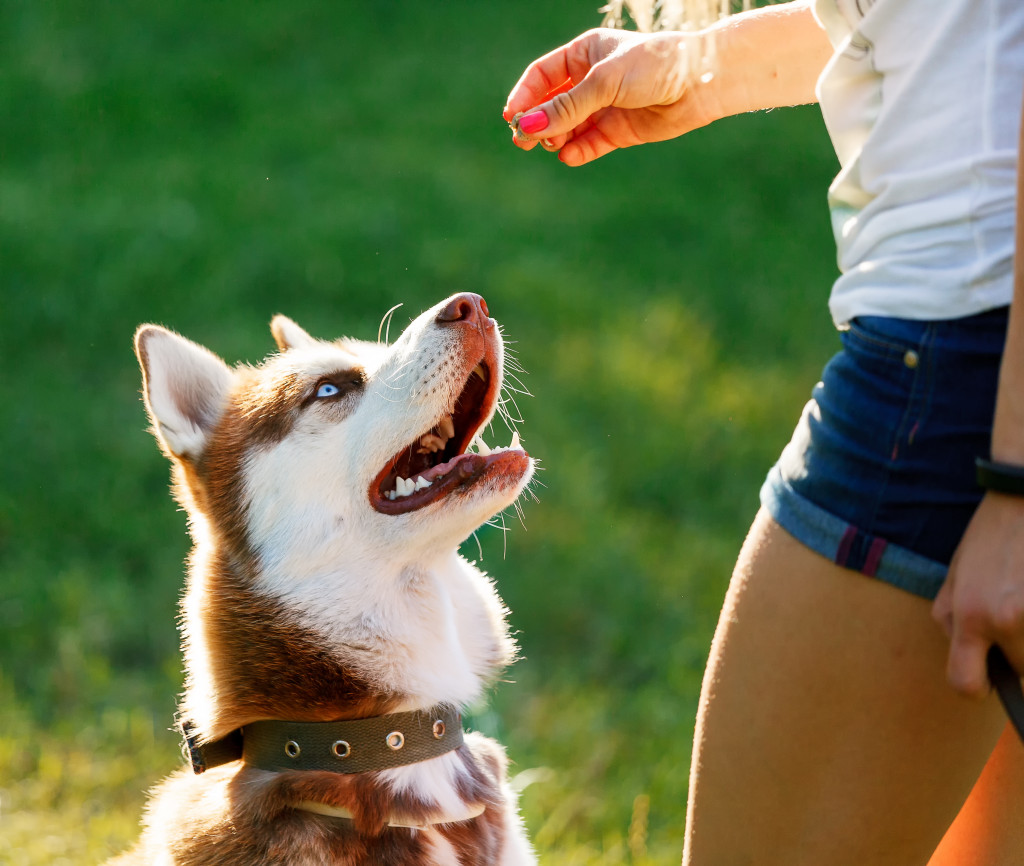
{"x": 349, "y": 745}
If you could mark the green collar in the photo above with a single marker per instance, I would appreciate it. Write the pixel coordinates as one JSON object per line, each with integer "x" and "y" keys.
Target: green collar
{"x": 353, "y": 746}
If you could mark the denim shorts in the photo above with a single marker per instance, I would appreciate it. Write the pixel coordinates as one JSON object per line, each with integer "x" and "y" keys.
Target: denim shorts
{"x": 879, "y": 475}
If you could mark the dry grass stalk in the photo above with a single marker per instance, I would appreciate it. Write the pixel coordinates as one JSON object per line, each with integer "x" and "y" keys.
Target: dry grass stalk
{"x": 637, "y": 835}
{"x": 691, "y": 16}
{"x": 651, "y": 15}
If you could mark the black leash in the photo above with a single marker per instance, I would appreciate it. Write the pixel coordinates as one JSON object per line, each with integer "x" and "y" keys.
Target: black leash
{"x": 1007, "y": 683}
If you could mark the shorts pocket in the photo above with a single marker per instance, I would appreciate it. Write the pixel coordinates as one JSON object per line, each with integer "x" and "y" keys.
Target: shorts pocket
{"x": 886, "y": 345}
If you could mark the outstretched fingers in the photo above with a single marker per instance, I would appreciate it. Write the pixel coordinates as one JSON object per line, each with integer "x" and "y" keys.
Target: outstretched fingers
{"x": 557, "y": 95}
{"x": 538, "y": 82}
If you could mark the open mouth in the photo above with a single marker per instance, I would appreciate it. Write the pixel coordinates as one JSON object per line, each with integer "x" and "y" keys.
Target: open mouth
{"x": 439, "y": 460}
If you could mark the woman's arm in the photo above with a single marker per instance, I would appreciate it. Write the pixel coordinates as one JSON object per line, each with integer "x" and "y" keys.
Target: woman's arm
{"x": 982, "y": 601}
{"x": 1008, "y": 430}
{"x": 769, "y": 58}
{"x": 632, "y": 88}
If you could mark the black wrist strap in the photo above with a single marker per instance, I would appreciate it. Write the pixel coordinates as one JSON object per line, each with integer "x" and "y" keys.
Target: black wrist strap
{"x": 1000, "y": 477}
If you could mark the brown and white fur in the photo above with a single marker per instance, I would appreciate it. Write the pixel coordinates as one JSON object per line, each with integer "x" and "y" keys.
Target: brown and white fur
{"x": 313, "y": 595}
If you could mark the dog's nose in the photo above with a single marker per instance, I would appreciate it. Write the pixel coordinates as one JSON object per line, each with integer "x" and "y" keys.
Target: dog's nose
{"x": 467, "y": 307}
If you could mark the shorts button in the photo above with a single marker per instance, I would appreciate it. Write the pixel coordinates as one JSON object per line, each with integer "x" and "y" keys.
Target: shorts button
{"x": 911, "y": 359}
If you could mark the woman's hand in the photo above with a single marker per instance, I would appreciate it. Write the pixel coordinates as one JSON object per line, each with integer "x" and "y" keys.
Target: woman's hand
{"x": 627, "y": 88}
{"x": 982, "y": 601}
{"x": 612, "y": 88}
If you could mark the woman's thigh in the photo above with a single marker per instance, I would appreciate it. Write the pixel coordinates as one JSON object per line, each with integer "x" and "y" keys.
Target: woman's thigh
{"x": 826, "y": 732}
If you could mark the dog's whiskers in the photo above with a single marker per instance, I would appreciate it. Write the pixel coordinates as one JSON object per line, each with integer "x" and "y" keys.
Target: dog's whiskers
{"x": 522, "y": 390}
{"x": 503, "y": 402}
{"x": 399, "y": 370}
{"x": 512, "y": 361}
{"x": 479, "y": 546}
{"x": 511, "y": 375}
{"x": 387, "y": 318}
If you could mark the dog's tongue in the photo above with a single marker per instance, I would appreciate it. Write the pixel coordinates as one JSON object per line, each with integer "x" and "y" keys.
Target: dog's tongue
{"x": 442, "y": 480}
{"x": 467, "y": 464}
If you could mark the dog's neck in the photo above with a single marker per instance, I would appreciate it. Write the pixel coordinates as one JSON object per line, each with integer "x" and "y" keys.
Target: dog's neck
{"x": 257, "y": 647}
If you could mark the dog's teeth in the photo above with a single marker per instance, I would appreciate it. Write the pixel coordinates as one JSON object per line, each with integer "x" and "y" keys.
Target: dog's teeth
{"x": 447, "y": 427}
{"x": 406, "y": 487}
{"x": 481, "y": 446}
{"x": 432, "y": 442}
{"x": 479, "y": 371}
{"x": 514, "y": 445}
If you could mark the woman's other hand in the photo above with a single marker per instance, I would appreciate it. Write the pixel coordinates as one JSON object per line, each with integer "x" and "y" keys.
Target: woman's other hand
{"x": 982, "y": 601}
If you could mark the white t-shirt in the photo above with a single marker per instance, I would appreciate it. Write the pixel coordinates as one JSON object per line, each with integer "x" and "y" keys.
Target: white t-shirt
{"x": 922, "y": 100}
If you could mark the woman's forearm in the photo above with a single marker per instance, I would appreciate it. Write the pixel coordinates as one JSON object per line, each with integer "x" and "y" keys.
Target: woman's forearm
{"x": 1008, "y": 429}
{"x": 767, "y": 58}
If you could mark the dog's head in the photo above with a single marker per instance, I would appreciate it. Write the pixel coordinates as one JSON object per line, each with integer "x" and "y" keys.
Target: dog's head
{"x": 338, "y": 452}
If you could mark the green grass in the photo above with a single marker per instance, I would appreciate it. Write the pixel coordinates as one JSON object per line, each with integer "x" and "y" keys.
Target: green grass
{"x": 208, "y": 165}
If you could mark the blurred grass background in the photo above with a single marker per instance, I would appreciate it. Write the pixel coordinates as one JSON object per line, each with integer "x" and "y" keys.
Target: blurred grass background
{"x": 206, "y": 165}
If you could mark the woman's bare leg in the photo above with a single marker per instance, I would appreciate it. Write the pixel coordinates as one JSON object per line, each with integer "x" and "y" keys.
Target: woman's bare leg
{"x": 989, "y": 831}
{"x": 826, "y": 733}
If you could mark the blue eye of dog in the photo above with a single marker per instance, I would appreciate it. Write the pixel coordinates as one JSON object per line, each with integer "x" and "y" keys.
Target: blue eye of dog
{"x": 328, "y": 390}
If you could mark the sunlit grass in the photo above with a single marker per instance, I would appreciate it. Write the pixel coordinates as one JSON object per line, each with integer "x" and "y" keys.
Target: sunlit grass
{"x": 69, "y": 793}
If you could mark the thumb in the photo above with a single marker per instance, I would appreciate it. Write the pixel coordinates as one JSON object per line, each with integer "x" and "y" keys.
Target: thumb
{"x": 568, "y": 108}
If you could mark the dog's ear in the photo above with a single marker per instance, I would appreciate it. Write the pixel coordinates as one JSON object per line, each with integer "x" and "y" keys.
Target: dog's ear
{"x": 185, "y": 387}
{"x": 288, "y": 335}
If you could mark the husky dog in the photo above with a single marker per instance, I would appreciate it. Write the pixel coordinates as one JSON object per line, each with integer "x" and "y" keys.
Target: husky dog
{"x": 331, "y": 631}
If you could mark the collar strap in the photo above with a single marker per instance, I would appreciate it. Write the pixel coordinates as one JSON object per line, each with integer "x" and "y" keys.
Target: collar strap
{"x": 354, "y": 746}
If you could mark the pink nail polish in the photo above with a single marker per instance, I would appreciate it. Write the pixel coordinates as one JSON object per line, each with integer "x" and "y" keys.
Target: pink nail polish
{"x": 533, "y": 122}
